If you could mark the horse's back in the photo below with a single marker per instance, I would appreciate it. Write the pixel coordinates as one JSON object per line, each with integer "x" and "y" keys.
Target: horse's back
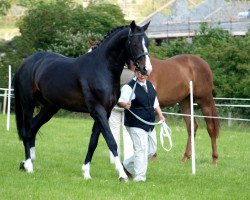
{"x": 36, "y": 65}
{"x": 40, "y": 60}
{"x": 172, "y": 76}
{"x": 50, "y": 78}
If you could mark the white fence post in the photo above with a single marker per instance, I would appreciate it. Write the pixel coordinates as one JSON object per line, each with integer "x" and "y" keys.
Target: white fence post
{"x": 9, "y": 99}
{"x": 229, "y": 119}
{"x": 4, "y": 101}
{"x": 192, "y": 127}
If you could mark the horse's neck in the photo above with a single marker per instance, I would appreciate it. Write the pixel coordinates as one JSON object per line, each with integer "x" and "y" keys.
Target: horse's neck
{"x": 126, "y": 76}
{"x": 115, "y": 46}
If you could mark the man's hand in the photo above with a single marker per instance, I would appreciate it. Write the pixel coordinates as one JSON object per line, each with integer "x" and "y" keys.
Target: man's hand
{"x": 128, "y": 105}
{"x": 125, "y": 105}
{"x": 161, "y": 117}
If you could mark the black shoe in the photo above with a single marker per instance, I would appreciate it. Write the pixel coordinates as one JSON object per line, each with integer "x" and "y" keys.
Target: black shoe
{"x": 154, "y": 157}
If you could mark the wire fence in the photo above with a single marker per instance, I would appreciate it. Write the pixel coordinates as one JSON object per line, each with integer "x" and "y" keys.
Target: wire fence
{"x": 8, "y": 95}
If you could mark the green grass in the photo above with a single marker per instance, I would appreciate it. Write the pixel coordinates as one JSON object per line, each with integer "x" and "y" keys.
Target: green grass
{"x": 61, "y": 148}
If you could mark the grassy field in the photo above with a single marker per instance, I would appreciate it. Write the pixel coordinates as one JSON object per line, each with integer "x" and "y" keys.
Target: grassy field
{"x": 62, "y": 145}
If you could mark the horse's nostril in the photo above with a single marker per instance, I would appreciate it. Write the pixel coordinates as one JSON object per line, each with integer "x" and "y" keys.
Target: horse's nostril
{"x": 144, "y": 71}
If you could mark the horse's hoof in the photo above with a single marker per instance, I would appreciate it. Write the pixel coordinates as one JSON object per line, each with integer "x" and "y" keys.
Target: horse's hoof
{"x": 124, "y": 180}
{"x": 154, "y": 157}
{"x": 26, "y": 166}
{"x": 185, "y": 159}
{"x": 214, "y": 162}
{"x": 87, "y": 178}
{"x": 21, "y": 166}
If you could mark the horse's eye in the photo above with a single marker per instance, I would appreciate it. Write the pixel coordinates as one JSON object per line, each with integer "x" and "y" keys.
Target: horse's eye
{"x": 135, "y": 44}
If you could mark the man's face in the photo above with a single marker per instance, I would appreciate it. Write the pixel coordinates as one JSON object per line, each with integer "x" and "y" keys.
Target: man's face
{"x": 140, "y": 77}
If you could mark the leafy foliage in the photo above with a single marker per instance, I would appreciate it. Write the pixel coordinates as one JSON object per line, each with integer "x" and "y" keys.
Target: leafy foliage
{"x": 228, "y": 57}
{"x": 4, "y": 6}
{"x": 103, "y": 17}
{"x": 47, "y": 22}
{"x": 64, "y": 27}
{"x": 60, "y": 26}
{"x": 42, "y": 23}
{"x": 72, "y": 45}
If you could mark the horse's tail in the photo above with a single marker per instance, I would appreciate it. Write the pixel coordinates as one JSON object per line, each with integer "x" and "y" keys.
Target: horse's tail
{"x": 216, "y": 122}
{"x": 18, "y": 108}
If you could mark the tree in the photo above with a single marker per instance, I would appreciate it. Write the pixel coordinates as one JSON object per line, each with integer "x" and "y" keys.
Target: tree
{"x": 228, "y": 57}
{"x": 46, "y": 23}
{"x": 60, "y": 26}
{"x": 4, "y": 6}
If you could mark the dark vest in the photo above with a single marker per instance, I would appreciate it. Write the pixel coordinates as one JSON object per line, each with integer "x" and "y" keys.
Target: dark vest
{"x": 142, "y": 106}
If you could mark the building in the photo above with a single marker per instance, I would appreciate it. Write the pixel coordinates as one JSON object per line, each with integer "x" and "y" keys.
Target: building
{"x": 185, "y": 19}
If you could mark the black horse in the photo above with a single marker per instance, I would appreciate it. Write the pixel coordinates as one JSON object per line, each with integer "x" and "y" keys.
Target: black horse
{"x": 89, "y": 83}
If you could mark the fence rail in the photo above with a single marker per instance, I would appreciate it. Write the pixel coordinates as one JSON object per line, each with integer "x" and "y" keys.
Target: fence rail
{"x": 7, "y": 95}
{"x": 189, "y": 28}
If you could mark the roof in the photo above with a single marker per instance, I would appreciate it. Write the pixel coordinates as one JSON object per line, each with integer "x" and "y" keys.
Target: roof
{"x": 184, "y": 22}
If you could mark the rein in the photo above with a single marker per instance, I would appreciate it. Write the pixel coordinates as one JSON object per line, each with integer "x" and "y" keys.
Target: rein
{"x": 165, "y": 130}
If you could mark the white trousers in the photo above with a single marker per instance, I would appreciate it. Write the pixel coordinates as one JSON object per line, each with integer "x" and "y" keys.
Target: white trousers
{"x": 116, "y": 123}
{"x": 145, "y": 146}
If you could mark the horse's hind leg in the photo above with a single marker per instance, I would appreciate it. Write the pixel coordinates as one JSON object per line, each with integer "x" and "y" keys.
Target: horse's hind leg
{"x": 27, "y": 137}
{"x": 208, "y": 108}
{"x": 185, "y": 109}
{"x": 45, "y": 114}
{"x": 30, "y": 129}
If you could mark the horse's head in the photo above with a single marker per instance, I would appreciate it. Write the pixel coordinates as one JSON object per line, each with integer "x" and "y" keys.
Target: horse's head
{"x": 137, "y": 46}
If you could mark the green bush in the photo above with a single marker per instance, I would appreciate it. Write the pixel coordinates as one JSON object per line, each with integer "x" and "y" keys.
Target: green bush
{"x": 60, "y": 26}
{"x": 72, "y": 45}
{"x": 4, "y": 7}
{"x": 64, "y": 27}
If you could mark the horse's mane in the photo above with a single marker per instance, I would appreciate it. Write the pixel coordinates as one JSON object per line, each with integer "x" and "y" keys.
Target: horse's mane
{"x": 109, "y": 34}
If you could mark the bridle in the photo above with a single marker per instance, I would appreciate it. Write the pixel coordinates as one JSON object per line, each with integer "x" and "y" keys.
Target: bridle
{"x": 136, "y": 58}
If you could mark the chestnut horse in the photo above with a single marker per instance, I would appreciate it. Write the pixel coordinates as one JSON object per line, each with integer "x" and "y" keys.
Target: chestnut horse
{"x": 171, "y": 78}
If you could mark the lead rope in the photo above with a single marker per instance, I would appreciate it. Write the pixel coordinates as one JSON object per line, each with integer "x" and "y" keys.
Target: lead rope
{"x": 165, "y": 130}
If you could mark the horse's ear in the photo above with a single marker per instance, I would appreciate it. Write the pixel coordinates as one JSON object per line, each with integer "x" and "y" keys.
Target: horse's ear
{"x": 128, "y": 63}
{"x": 92, "y": 43}
{"x": 145, "y": 27}
{"x": 132, "y": 25}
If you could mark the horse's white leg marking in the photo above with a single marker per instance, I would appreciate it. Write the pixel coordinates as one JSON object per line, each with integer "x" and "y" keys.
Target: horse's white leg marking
{"x": 119, "y": 168}
{"x": 28, "y": 166}
{"x": 148, "y": 63}
{"x": 86, "y": 171}
{"x": 32, "y": 153}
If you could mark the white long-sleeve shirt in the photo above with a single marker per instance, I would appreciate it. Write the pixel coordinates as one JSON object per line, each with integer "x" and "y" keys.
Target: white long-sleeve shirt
{"x": 126, "y": 92}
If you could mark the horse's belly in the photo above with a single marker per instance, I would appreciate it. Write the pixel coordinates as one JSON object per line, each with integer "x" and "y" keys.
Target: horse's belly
{"x": 65, "y": 98}
{"x": 74, "y": 103}
{"x": 172, "y": 95}
{"x": 75, "y": 108}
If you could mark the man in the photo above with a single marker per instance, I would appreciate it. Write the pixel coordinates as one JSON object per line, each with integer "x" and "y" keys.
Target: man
{"x": 116, "y": 123}
{"x": 144, "y": 103}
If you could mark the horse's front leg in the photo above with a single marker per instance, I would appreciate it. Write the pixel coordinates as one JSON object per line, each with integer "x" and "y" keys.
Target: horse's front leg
{"x": 92, "y": 146}
{"x": 101, "y": 120}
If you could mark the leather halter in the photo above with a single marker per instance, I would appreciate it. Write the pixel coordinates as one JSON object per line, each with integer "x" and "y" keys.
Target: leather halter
{"x": 135, "y": 58}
